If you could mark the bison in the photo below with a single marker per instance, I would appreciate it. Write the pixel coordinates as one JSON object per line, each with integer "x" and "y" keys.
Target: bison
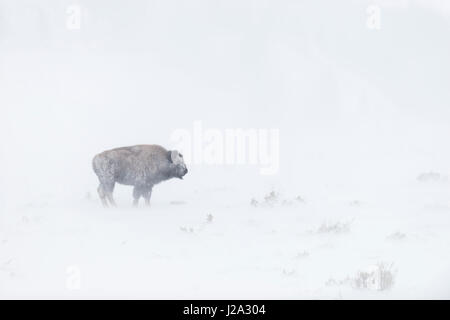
{"x": 141, "y": 166}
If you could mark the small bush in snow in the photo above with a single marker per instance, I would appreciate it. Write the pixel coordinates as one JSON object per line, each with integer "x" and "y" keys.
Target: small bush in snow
{"x": 301, "y": 255}
{"x": 396, "y": 236}
{"x": 200, "y": 227}
{"x": 296, "y": 200}
{"x": 334, "y": 227}
{"x": 288, "y": 273}
{"x": 379, "y": 277}
{"x": 254, "y": 202}
{"x": 334, "y": 282}
{"x": 273, "y": 198}
{"x": 187, "y": 230}
{"x": 432, "y": 177}
{"x": 355, "y": 203}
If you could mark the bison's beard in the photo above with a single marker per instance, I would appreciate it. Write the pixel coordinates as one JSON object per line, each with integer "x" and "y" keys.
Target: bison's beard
{"x": 178, "y": 174}
{"x": 181, "y": 174}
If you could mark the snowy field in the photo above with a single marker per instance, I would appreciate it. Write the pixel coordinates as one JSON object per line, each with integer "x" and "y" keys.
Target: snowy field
{"x": 312, "y": 249}
{"x": 358, "y": 208}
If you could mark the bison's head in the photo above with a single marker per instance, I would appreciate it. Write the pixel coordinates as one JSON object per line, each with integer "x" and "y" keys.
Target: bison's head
{"x": 179, "y": 166}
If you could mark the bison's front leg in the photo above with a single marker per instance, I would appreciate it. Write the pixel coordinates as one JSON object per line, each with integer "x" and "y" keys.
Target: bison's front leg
{"x": 141, "y": 191}
{"x": 102, "y": 195}
{"x": 147, "y": 194}
{"x": 137, "y": 193}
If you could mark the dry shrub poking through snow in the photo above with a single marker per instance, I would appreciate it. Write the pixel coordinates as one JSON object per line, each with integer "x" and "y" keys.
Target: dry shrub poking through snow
{"x": 273, "y": 198}
{"x": 296, "y": 200}
{"x": 333, "y": 282}
{"x": 334, "y": 227}
{"x": 379, "y": 277}
{"x": 432, "y": 177}
{"x": 201, "y": 227}
{"x": 355, "y": 203}
{"x": 289, "y": 272}
{"x": 187, "y": 229}
{"x": 302, "y": 255}
{"x": 396, "y": 236}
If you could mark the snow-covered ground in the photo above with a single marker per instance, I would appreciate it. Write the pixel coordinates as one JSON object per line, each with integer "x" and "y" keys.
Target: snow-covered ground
{"x": 200, "y": 248}
{"x": 360, "y": 205}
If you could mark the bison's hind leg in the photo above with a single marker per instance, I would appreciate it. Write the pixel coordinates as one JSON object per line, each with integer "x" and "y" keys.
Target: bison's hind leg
{"x": 104, "y": 169}
{"x": 102, "y": 195}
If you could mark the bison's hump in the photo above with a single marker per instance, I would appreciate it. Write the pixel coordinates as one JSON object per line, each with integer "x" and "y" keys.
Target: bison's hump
{"x": 147, "y": 148}
{"x": 155, "y": 155}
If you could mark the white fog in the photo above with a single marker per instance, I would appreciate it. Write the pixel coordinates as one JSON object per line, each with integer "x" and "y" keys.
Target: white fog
{"x": 358, "y": 185}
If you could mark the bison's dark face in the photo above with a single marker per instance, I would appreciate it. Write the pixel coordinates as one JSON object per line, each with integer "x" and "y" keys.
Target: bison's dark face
{"x": 179, "y": 165}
